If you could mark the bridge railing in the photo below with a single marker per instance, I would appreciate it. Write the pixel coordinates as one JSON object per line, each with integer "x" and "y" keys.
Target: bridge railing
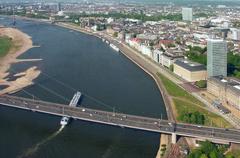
{"x": 131, "y": 121}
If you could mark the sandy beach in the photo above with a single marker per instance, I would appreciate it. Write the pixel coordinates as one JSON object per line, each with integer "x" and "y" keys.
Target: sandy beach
{"x": 21, "y": 43}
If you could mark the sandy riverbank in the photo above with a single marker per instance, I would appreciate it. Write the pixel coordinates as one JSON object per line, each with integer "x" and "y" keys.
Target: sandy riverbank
{"x": 21, "y": 43}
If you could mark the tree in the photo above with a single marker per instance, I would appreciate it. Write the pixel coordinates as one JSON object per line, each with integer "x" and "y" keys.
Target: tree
{"x": 195, "y": 154}
{"x": 236, "y": 73}
{"x": 229, "y": 156}
{"x": 207, "y": 147}
{"x": 151, "y": 43}
{"x": 208, "y": 150}
{"x": 192, "y": 117}
{"x": 115, "y": 34}
{"x": 197, "y": 57}
{"x": 200, "y": 118}
{"x": 171, "y": 67}
{"x": 213, "y": 154}
{"x": 201, "y": 84}
{"x": 178, "y": 40}
{"x": 171, "y": 45}
{"x": 203, "y": 156}
{"x": 233, "y": 64}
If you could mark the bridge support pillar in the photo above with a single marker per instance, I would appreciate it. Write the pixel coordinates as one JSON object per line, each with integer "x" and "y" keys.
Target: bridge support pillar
{"x": 174, "y": 138}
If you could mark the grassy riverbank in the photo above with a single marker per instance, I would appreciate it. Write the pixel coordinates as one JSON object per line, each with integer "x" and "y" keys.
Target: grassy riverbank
{"x": 186, "y": 103}
{"x": 234, "y": 154}
{"x": 14, "y": 43}
{"x": 5, "y": 45}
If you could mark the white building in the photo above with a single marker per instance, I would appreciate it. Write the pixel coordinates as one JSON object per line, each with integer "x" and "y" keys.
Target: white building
{"x": 157, "y": 55}
{"x": 235, "y": 34}
{"x": 94, "y": 28}
{"x": 187, "y": 14}
{"x": 225, "y": 24}
{"x": 199, "y": 36}
{"x": 60, "y": 13}
{"x": 166, "y": 60}
{"x": 221, "y": 22}
{"x": 135, "y": 43}
{"x": 109, "y": 20}
{"x": 216, "y": 57}
{"x": 128, "y": 37}
{"x": 146, "y": 50}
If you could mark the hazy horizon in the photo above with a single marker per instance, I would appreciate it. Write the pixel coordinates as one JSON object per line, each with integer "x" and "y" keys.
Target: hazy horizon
{"x": 138, "y": 1}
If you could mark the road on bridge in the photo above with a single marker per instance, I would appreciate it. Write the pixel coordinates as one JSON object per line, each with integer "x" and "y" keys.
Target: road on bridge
{"x": 124, "y": 120}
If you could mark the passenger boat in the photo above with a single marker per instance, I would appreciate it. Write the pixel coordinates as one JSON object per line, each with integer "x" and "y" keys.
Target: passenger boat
{"x": 64, "y": 121}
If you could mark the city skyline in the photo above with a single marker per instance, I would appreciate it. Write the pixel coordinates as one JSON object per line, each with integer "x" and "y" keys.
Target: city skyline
{"x": 138, "y": 1}
{"x": 111, "y": 78}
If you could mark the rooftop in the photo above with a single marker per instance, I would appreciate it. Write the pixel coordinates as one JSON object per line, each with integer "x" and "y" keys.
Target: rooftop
{"x": 232, "y": 83}
{"x": 189, "y": 65}
{"x": 215, "y": 40}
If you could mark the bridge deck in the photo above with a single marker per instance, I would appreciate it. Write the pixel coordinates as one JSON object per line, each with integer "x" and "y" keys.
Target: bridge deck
{"x": 124, "y": 120}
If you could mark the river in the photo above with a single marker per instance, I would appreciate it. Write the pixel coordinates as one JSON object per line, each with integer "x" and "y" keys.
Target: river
{"x": 108, "y": 80}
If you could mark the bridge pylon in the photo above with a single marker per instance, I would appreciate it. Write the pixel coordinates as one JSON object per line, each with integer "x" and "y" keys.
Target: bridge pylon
{"x": 174, "y": 138}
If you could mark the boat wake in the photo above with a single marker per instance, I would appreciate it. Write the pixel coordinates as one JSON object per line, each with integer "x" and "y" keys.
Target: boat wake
{"x": 35, "y": 148}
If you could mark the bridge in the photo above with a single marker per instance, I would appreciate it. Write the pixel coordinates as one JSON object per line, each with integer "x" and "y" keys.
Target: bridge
{"x": 124, "y": 120}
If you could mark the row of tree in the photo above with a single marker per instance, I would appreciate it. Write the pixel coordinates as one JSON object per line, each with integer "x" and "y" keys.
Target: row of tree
{"x": 234, "y": 64}
{"x": 192, "y": 117}
{"x": 210, "y": 150}
{"x": 197, "y": 54}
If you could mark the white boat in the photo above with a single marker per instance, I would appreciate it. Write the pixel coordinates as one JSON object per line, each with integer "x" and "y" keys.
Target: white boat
{"x": 75, "y": 99}
{"x": 64, "y": 121}
{"x": 114, "y": 47}
{"x": 107, "y": 42}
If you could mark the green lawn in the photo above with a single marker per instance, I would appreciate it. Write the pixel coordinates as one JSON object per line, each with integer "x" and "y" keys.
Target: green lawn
{"x": 184, "y": 101}
{"x": 235, "y": 153}
{"x": 211, "y": 118}
{"x": 176, "y": 91}
{"x": 5, "y": 45}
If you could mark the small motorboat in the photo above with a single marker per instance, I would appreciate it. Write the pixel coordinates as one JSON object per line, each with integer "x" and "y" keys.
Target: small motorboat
{"x": 64, "y": 121}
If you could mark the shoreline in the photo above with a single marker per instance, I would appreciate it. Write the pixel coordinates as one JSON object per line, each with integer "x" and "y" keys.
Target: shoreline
{"x": 124, "y": 50}
{"x": 137, "y": 59}
{"x": 164, "y": 139}
{"x": 21, "y": 44}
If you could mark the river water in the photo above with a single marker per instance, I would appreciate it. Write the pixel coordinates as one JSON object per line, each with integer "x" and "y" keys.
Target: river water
{"x": 108, "y": 80}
